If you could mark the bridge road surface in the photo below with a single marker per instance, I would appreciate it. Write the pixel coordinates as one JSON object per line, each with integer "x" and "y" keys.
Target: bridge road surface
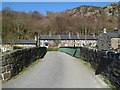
{"x": 57, "y": 70}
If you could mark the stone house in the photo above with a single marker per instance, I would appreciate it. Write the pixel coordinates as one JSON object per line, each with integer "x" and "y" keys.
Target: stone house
{"x": 26, "y": 43}
{"x": 109, "y": 41}
{"x": 21, "y": 43}
{"x": 69, "y": 40}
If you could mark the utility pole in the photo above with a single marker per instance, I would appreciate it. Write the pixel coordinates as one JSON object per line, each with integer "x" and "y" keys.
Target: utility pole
{"x": 96, "y": 26}
{"x": 37, "y": 39}
{"x": 85, "y": 37}
{"x": 38, "y": 32}
{"x": 78, "y": 37}
{"x": 18, "y": 26}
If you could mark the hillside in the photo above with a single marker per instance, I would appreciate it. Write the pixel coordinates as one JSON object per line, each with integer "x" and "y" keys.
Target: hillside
{"x": 21, "y": 25}
{"x": 110, "y": 10}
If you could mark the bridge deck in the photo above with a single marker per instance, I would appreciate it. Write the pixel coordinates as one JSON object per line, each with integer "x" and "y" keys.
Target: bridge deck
{"x": 57, "y": 70}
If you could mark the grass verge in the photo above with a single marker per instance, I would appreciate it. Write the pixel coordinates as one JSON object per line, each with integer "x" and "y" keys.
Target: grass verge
{"x": 87, "y": 64}
{"x": 108, "y": 82}
{"x": 104, "y": 79}
{"x": 52, "y": 49}
{"x": 25, "y": 69}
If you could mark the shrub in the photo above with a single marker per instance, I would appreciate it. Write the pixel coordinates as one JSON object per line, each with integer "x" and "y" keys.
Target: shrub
{"x": 52, "y": 49}
{"x": 17, "y": 47}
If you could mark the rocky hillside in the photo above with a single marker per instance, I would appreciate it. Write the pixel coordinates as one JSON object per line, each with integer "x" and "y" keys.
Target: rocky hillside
{"x": 110, "y": 10}
{"x": 81, "y": 20}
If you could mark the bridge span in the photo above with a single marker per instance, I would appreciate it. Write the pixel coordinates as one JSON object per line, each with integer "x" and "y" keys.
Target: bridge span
{"x": 57, "y": 70}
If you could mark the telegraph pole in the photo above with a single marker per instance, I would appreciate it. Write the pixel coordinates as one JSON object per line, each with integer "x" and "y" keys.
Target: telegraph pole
{"x": 38, "y": 37}
{"x": 85, "y": 37}
{"x": 18, "y": 26}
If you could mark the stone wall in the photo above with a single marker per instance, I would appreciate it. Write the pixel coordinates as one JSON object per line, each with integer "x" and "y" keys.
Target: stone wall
{"x": 73, "y": 51}
{"x": 105, "y": 63}
{"x": 14, "y": 62}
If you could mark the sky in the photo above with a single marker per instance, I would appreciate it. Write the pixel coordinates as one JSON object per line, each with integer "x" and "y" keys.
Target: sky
{"x": 48, "y": 6}
{"x": 60, "y": 0}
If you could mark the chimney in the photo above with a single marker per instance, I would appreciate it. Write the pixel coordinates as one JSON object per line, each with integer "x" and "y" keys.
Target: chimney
{"x": 104, "y": 30}
{"x": 116, "y": 30}
{"x": 35, "y": 38}
{"x": 50, "y": 34}
{"x": 93, "y": 35}
{"x": 78, "y": 34}
{"x": 69, "y": 35}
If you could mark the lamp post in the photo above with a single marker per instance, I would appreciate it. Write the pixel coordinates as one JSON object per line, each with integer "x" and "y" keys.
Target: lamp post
{"x": 85, "y": 37}
{"x": 38, "y": 32}
{"x": 36, "y": 40}
{"x": 96, "y": 24}
{"x": 18, "y": 25}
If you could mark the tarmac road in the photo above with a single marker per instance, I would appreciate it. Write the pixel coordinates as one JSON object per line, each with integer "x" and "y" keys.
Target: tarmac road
{"x": 57, "y": 70}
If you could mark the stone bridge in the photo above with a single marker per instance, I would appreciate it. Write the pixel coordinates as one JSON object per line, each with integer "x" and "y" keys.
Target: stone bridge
{"x": 60, "y": 70}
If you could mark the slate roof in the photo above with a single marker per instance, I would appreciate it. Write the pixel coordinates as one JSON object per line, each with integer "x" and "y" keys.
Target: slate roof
{"x": 67, "y": 37}
{"x": 88, "y": 37}
{"x": 113, "y": 34}
{"x": 27, "y": 41}
{"x": 23, "y": 41}
{"x": 74, "y": 37}
{"x": 42, "y": 37}
{"x": 64, "y": 37}
{"x": 47, "y": 37}
{"x": 55, "y": 37}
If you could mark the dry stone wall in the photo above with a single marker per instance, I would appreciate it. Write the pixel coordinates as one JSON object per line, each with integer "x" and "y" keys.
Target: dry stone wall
{"x": 14, "y": 62}
{"x": 106, "y": 63}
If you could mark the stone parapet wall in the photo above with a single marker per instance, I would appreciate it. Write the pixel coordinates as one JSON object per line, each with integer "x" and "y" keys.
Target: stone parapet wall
{"x": 105, "y": 63}
{"x": 14, "y": 62}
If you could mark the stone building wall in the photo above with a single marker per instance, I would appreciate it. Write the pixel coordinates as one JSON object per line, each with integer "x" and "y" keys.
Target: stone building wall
{"x": 114, "y": 43}
{"x": 14, "y": 62}
{"x": 104, "y": 42}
